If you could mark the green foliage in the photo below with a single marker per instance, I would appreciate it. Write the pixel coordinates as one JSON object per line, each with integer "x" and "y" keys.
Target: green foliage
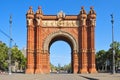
{"x": 100, "y": 59}
{"x": 104, "y": 58}
{"x": 17, "y": 56}
{"x": 116, "y": 46}
{"x": 67, "y": 67}
{"x": 59, "y": 67}
{"x": 3, "y": 56}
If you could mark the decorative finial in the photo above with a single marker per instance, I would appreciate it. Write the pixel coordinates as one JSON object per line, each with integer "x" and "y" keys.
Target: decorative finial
{"x": 92, "y": 7}
{"x": 30, "y": 7}
{"x": 39, "y": 11}
{"x": 82, "y": 7}
{"x": 92, "y": 10}
{"x": 39, "y": 7}
{"x": 82, "y": 11}
{"x": 30, "y": 11}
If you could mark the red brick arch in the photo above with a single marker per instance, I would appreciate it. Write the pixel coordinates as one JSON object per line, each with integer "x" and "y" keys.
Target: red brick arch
{"x": 77, "y": 30}
{"x": 60, "y": 35}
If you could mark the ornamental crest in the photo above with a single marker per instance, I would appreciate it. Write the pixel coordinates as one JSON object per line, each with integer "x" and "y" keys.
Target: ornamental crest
{"x": 60, "y": 17}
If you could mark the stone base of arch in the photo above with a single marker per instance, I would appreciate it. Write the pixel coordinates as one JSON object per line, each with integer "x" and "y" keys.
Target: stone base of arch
{"x": 29, "y": 71}
{"x": 92, "y": 70}
{"x": 38, "y": 71}
{"x": 84, "y": 70}
{"x": 75, "y": 62}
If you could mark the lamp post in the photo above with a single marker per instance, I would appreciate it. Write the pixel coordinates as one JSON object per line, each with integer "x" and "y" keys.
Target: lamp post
{"x": 10, "y": 44}
{"x": 113, "y": 50}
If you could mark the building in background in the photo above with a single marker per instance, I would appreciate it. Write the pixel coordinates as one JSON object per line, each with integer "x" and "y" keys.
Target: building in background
{"x": 24, "y": 51}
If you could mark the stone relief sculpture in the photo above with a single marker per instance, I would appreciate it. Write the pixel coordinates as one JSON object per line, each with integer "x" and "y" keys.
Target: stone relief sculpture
{"x": 70, "y": 23}
{"x": 61, "y": 22}
{"x": 29, "y": 21}
{"x": 60, "y": 16}
{"x": 93, "y": 22}
{"x": 83, "y": 21}
{"x": 38, "y": 21}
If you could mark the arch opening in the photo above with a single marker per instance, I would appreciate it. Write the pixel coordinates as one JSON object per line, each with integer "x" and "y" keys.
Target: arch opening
{"x": 61, "y": 38}
{"x": 60, "y": 35}
{"x": 64, "y": 36}
{"x": 60, "y": 57}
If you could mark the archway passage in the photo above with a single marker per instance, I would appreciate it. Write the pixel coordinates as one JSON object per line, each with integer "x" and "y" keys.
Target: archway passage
{"x": 61, "y": 35}
{"x": 77, "y": 30}
{"x": 60, "y": 57}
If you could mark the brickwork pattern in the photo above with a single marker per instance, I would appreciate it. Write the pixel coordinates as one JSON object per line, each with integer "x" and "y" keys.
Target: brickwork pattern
{"x": 77, "y": 30}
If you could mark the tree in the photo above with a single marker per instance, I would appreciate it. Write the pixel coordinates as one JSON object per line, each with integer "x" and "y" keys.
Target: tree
{"x": 52, "y": 67}
{"x": 104, "y": 58}
{"x": 18, "y": 57}
{"x": 67, "y": 68}
{"x": 100, "y": 59}
{"x": 116, "y": 46}
{"x": 59, "y": 67}
{"x": 3, "y": 56}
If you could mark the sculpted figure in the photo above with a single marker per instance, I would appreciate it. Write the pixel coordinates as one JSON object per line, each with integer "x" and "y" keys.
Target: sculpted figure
{"x": 93, "y": 22}
{"x": 60, "y": 16}
{"x": 83, "y": 21}
{"x": 29, "y": 21}
{"x": 38, "y": 21}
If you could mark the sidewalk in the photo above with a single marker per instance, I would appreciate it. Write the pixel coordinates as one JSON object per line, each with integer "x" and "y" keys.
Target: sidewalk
{"x": 98, "y": 76}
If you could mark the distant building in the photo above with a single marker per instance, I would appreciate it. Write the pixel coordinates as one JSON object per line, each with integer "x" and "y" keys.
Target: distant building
{"x": 24, "y": 51}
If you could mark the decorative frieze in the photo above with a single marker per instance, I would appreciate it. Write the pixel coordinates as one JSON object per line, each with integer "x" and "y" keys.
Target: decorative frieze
{"x": 62, "y": 23}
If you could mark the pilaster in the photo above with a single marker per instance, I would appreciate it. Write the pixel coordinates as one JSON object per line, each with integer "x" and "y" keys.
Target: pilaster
{"x": 83, "y": 42}
{"x": 45, "y": 62}
{"x": 38, "y": 24}
{"x": 30, "y": 41}
{"x": 75, "y": 62}
{"x": 91, "y": 40}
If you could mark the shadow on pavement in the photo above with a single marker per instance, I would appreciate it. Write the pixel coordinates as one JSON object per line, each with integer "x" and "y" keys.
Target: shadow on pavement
{"x": 88, "y": 78}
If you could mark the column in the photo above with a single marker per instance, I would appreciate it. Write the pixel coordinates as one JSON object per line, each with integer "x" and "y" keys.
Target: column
{"x": 83, "y": 52}
{"x": 91, "y": 40}
{"x": 38, "y": 51}
{"x": 91, "y": 50}
{"x": 38, "y": 23}
{"x": 75, "y": 61}
{"x": 30, "y": 41}
{"x": 83, "y": 42}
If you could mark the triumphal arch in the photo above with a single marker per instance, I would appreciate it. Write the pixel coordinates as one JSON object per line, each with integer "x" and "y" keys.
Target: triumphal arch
{"x": 77, "y": 30}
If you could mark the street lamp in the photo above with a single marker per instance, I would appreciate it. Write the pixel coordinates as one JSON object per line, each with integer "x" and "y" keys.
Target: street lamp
{"x": 10, "y": 44}
{"x": 113, "y": 50}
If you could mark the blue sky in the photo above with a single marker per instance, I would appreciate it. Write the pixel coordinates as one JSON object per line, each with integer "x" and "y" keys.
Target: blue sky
{"x": 18, "y": 9}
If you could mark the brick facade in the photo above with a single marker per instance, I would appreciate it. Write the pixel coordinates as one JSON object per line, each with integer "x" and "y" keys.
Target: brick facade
{"x": 77, "y": 30}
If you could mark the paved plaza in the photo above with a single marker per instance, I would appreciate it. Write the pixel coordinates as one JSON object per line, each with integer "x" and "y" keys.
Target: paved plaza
{"x": 98, "y": 76}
